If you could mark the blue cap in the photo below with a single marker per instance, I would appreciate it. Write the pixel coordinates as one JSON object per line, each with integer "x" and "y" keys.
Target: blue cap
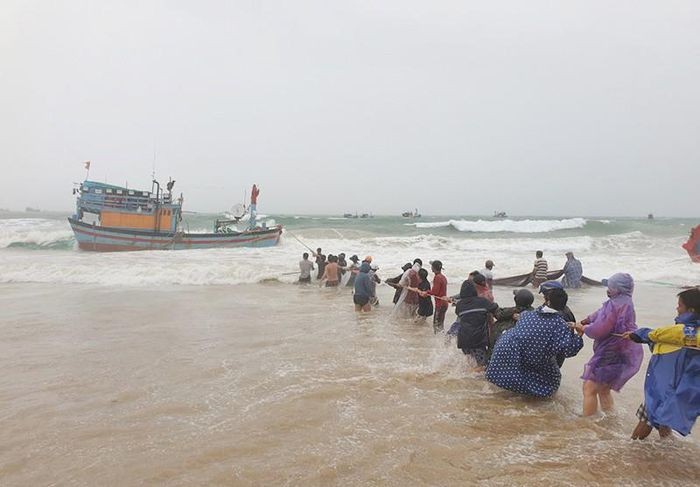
{"x": 549, "y": 285}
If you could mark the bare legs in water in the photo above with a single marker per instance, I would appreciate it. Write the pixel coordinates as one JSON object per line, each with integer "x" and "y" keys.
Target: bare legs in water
{"x": 594, "y": 392}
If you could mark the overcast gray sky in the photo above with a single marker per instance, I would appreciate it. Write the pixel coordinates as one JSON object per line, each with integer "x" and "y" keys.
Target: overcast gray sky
{"x": 454, "y": 107}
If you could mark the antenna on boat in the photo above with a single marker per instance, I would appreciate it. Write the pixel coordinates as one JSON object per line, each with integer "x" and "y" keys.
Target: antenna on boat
{"x": 153, "y": 174}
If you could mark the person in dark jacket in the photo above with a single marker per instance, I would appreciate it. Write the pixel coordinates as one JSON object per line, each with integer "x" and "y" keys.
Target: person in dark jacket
{"x": 473, "y": 313}
{"x": 364, "y": 289}
{"x": 425, "y": 304}
{"x": 506, "y": 318}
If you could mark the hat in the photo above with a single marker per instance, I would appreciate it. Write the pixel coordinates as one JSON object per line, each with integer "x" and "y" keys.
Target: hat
{"x": 436, "y": 264}
{"x": 354, "y": 258}
{"x": 523, "y": 297}
{"x": 549, "y": 285}
{"x": 569, "y": 253}
{"x": 406, "y": 266}
{"x": 342, "y": 254}
{"x": 368, "y": 258}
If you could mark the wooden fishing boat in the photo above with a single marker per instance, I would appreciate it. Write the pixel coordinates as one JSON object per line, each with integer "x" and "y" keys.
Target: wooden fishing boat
{"x": 112, "y": 218}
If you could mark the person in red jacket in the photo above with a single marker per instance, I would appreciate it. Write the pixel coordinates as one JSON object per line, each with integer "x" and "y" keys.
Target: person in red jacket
{"x": 438, "y": 290}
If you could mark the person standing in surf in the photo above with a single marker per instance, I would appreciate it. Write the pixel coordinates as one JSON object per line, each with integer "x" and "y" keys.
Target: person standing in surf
{"x": 524, "y": 358}
{"x": 474, "y": 315}
{"x": 363, "y": 289}
{"x": 407, "y": 303}
{"x": 615, "y": 360}
{"x": 539, "y": 269}
{"x": 672, "y": 385}
{"x": 487, "y": 272}
{"x": 573, "y": 271}
{"x": 305, "y": 268}
{"x": 425, "y": 304}
{"x": 320, "y": 262}
{"x": 353, "y": 269}
{"x": 331, "y": 273}
{"x": 439, "y": 291}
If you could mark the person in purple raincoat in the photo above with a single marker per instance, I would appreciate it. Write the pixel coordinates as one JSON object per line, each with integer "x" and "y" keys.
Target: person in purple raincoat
{"x": 615, "y": 360}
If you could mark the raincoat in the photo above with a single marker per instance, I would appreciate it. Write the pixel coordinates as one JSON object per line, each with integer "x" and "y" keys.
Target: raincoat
{"x": 524, "y": 358}
{"x": 615, "y": 360}
{"x": 672, "y": 386}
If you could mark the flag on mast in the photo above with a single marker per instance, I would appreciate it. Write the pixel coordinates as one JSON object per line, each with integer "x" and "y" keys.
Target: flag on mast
{"x": 87, "y": 165}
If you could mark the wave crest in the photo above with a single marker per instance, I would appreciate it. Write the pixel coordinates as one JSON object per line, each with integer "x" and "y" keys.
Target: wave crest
{"x": 506, "y": 226}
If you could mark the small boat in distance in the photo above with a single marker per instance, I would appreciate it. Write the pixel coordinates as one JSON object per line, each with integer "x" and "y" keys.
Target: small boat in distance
{"x": 500, "y": 214}
{"x": 411, "y": 214}
{"x": 29, "y": 209}
{"x": 349, "y": 215}
{"x": 114, "y": 218}
{"x": 650, "y": 216}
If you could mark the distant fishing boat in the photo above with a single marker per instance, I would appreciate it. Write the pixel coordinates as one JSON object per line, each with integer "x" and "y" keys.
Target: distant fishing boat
{"x": 114, "y": 218}
{"x": 349, "y": 215}
{"x": 29, "y": 209}
{"x": 500, "y": 214}
{"x": 692, "y": 246}
{"x": 411, "y": 214}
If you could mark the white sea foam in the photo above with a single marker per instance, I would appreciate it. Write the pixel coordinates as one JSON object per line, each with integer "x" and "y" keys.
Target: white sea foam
{"x": 509, "y": 226}
{"x": 34, "y": 231}
{"x": 648, "y": 258}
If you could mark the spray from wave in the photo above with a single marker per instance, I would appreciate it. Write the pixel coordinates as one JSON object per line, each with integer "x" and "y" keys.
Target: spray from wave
{"x": 506, "y": 226}
{"x": 35, "y": 233}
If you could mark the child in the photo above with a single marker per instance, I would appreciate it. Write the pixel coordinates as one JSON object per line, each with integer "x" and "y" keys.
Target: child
{"x": 672, "y": 386}
{"x": 615, "y": 360}
{"x": 425, "y": 304}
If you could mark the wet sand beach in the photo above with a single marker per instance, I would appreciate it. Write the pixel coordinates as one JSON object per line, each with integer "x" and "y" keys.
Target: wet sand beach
{"x": 278, "y": 384}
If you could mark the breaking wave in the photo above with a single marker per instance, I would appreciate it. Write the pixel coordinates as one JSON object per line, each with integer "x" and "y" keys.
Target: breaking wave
{"x": 506, "y": 226}
{"x": 35, "y": 233}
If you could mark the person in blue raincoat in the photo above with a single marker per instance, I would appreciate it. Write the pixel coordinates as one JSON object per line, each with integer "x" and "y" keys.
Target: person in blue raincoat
{"x": 672, "y": 385}
{"x": 524, "y": 359}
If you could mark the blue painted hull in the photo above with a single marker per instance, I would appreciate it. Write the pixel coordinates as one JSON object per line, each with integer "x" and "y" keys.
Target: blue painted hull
{"x": 100, "y": 239}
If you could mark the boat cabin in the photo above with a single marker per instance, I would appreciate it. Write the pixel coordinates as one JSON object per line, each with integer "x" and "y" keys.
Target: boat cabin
{"x": 112, "y": 206}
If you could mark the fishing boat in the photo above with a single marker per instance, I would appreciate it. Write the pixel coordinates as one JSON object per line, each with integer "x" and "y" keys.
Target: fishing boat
{"x": 411, "y": 214}
{"x": 692, "y": 246}
{"x": 112, "y": 218}
{"x": 500, "y": 214}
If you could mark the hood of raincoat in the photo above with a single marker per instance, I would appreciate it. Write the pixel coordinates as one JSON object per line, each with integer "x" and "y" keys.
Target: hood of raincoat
{"x": 468, "y": 290}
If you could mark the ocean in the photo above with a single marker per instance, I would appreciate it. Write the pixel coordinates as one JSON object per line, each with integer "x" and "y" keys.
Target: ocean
{"x": 212, "y": 367}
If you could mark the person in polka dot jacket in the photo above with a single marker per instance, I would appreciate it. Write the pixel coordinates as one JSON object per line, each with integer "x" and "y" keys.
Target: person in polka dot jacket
{"x": 524, "y": 359}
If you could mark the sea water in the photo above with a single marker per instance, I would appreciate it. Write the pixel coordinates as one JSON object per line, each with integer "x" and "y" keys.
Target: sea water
{"x": 212, "y": 367}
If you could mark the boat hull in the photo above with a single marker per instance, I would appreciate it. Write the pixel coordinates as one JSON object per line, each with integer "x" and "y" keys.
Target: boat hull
{"x": 100, "y": 239}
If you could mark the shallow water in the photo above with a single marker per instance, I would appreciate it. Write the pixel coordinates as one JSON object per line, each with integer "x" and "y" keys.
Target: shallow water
{"x": 277, "y": 384}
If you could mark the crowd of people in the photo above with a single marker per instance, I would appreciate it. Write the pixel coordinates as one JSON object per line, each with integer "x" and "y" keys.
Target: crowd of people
{"x": 522, "y": 348}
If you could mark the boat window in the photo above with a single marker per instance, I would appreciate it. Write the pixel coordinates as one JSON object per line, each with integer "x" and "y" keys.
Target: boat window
{"x": 109, "y": 191}
{"x": 131, "y": 193}
{"x": 119, "y": 191}
{"x": 98, "y": 191}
